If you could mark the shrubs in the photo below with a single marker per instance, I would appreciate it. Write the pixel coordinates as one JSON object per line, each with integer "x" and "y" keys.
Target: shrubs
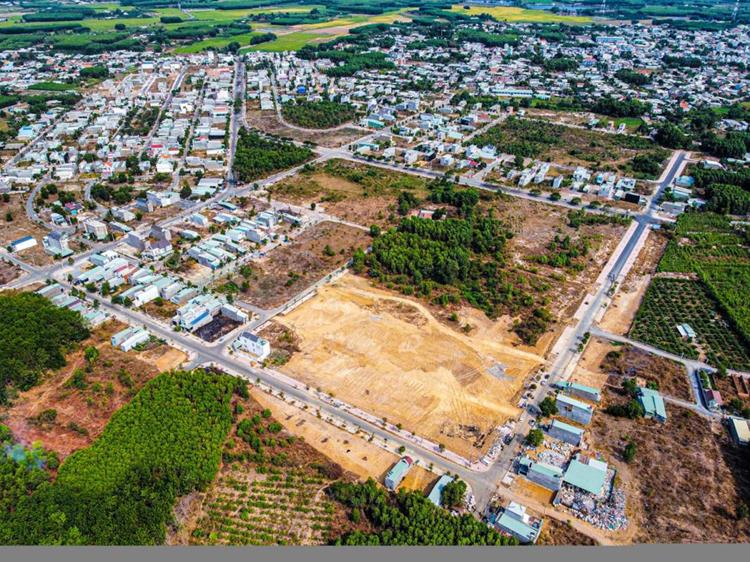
{"x": 535, "y": 437}
{"x": 33, "y": 337}
{"x": 257, "y": 156}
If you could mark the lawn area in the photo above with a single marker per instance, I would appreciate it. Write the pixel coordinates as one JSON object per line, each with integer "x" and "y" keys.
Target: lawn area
{"x": 289, "y": 42}
{"x": 521, "y": 15}
{"x": 53, "y": 86}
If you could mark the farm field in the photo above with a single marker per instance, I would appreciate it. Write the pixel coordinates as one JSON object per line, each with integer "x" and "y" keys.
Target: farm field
{"x": 268, "y": 491}
{"x": 288, "y": 269}
{"x": 520, "y": 15}
{"x": 704, "y": 276}
{"x": 80, "y": 414}
{"x": 675, "y": 509}
{"x": 669, "y": 302}
{"x": 430, "y": 378}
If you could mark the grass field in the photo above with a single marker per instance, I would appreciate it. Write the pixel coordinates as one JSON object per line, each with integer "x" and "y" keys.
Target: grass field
{"x": 216, "y": 43}
{"x": 521, "y": 15}
{"x": 289, "y": 42}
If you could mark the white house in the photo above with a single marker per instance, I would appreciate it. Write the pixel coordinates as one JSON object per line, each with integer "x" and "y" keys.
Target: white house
{"x": 252, "y": 344}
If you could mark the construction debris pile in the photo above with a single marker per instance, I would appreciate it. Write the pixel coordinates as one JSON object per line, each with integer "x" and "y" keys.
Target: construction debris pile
{"x": 606, "y": 511}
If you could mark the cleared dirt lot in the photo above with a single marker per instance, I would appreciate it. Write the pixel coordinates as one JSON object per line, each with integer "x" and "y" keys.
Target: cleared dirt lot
{"x": 390, "y": 356}
{"x": 289, "y": 269}
{"x": 21, "y": 226}
{"x": 81, "y": 414}
{"x": 350, "y": 191}
{"x": 8, "y": 272}
{"x": 686, "y": 480}
{"x": 268, "y": 122}
{"x": 556, "y": 533}
{"x": 354, "y": 453}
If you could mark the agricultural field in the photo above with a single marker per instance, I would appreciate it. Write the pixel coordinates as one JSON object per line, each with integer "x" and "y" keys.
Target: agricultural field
{"x": 569, "y": 146}
{"x": 708, "y": 257}
{"x": 520, "y": 15}
{"x": 270, "y": 490}
{"x": 432, "y": 379}
{"x": 676, "y": 509}
{"x": 289, "y": 269}
{"x": 669, "y": 302}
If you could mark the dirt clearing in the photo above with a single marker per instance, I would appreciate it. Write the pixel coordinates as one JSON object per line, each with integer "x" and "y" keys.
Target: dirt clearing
{"x": 72, "y": 416}
{"x": 289, "y": 269}
{"x": 354, "y": 453}
{"x": 391, "y": 357}
{"x": 620, "y": 314}
{"x": 686, "y": 480}
{"x": 268, "y": 122}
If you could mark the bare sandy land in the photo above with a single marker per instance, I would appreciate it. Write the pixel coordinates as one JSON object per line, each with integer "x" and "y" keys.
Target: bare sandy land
{"x": 391, "y": 357}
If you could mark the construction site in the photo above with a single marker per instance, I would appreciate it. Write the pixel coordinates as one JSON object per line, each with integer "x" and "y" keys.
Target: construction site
{"x": 389, "y": 356}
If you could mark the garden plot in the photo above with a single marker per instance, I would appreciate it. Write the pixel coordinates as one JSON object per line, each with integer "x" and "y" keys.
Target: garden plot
{"x": 392, "y": 358}
{"x": 670, "y": 302}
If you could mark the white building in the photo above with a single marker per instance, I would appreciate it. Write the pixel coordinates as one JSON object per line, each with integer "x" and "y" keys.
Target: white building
{"x": 255, "y": 345}
{"x": 95, "y": 228}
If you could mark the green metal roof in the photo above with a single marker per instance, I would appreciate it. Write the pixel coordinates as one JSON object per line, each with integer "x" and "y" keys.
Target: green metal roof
{"x": 567, "y": 427}
{"x": 652, "y": 403}
{"x": 564, "y": 398}
{"x": 520, "y": 528}
{"x": 587, "y": 477}
{"x": 546, "y": 469}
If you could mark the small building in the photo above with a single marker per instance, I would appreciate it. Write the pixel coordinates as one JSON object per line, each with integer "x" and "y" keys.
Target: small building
{"x": 397, "y": 473}
{"x": 546, "y": 475}
{"x": 566, "y": 432}
{"x": 96, "y": 229}
{"x": 253, "y": 344}
{"x": 573, "y": 409}
{"x": 581, "y": 391}
{"x": 56, "y": 244}
{"x": 436, "y": 494}
{"x": 22, "y": 244}
{"x": 653, "y": 404}
{"x": 586, "y": 474}
{"x": 686, "y": 331}
{"x": 739, "y": 429}
{"x": 515, "y": 522}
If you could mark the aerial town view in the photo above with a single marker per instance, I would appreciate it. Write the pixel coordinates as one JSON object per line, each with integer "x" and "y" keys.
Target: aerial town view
{"x": 359, "y": 273}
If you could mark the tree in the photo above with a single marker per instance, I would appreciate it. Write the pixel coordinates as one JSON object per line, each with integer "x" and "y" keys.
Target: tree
{"x": 548, "y": 406}
{"x": 629, "y": 452}
{"x": 453, "y": 494}
{"x": 91, "y": 354}
{"x": 186, "y": 192}
{"x": 535, "y": 437}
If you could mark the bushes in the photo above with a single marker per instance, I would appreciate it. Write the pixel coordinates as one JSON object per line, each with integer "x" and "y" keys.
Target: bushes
{"x": 256, "y": 156}
{"x": 33, "y": 337}
{"x": 408, "y": 518}
{"x": 318, "y": 114}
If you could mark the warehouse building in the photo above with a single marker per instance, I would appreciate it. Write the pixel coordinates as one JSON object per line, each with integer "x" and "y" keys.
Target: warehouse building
{"x": 515, "y": 522}
{"x": 546, "y": 475}
{"x": 653, "y": 404}
{"x": 436, "y": 494}
{"x": 587, "y": 474}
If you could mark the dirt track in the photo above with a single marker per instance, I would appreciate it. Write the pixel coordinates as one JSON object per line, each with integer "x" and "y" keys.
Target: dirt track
{"x": 390, "y": 356}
